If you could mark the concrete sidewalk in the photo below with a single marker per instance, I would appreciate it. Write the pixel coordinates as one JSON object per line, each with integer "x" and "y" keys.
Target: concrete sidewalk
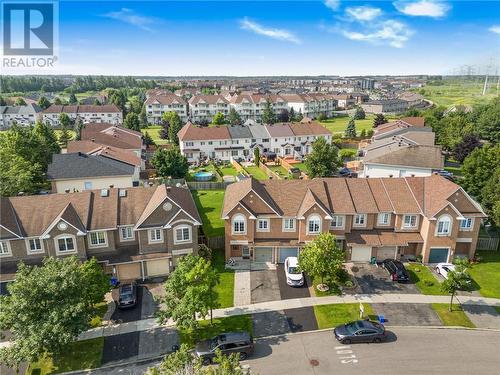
{"x": 148, "y": 324}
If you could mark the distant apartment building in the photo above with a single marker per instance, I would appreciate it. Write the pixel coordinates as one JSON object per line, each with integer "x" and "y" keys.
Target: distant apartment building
{"x": 385, "y": 106}
{"x": 311, "y": 105}
{"x": 157, "y": 105}
{"x": 108, "y": 113}
{"x": 24, "y": 115}
{"x": 345, "y": 101}
{"x": 251, "y": 106}
{"x": 205, "y": 107}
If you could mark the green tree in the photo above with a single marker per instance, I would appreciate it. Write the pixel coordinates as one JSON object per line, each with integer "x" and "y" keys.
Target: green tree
{"x": 450, "y": 130}
{"x": 174, "y": 125}
{"x": 268, "y": 116}
{"x": 379, "y": 119}
{"x": 58, "y": 101}
{"x": 234, "y": 117}
{"x": 97, "y": 102}
{"x": 43, "y": 102}
{"x": 117, "y": 97}
{"x": 64, "y": 119}
{"x": 291, "y": 116}
{"x": 2, "y": 101}
{"x": 477, "y": 169}
{"x": 132, "y": 122}
{"x": 78, "y": 129}
{"x": 143, "y": 118}
{"x": 72, "y": 99}
{"x": 64, "y": 136}
{"x": 359, "y": 114}
{"x": 323, "y": 160}
{"x": 20, "y": 101}
{"x": 17, "y": 174}
{"x": 170, "y": 163}
{"x": 457, "y": 279}
{"x": 491, "y": 196}
{"x": 322, "y": 258}
{"x": 219, "y": 119}
{"x": 487, "y": 121}
{"x": 465, "y": 147}
{"x": 148, "y": 141}
{"x": 350, "y": 130}
{"x": 135, "y": 104}
{"x": 256, "y": 156}
{"x": 363, "y": 133}
{"x": 47, "y": 307}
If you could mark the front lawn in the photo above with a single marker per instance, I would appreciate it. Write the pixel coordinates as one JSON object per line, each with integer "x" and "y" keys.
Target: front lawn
{"x": 329, "y": 316}
{"x": 333, "y": 291}
{"x": 220, "y": 325}
{"x": 424, "y": 279}
{"x": 209, "y": 205}
{"x": 100, "y": 310}
{"x": 256, "y": 172}
{"x": 80, "y": 355}
{"x": 487, "y": 273}
{"x": 225, "y": 288}
{"x": 454, "y": 318}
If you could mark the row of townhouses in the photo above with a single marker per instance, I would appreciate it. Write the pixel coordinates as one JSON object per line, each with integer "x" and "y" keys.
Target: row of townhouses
{"x": 24, "y": 115}
{"x": 135, "y": 233}
{"x": 108, "y": 113}
{"x": 239, "y": 141}
{"x": 399, "y": 218}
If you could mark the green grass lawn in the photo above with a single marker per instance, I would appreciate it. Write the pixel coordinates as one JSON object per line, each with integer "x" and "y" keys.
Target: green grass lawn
{"x": 333, "y": 291}
{"x": 487, "y": 273}
{"x": 256, "y": 172}
{"x": 154, "y": 133}
{"x": 220, "y": 325}
{"x": 208, "y": 168}
{"x": 101, "y": 309}
{"x": 79, "y": 355}
{"x": 458, "y": 92}
{"x": 454, "y": 318}
{"x": 209, "y": 204}
{"x": 329, "y": 316}
{"x": 423, "y": 279}
{"x": 279, "y": 170}
{"x": 301, "y": 166}
{"x": 338, "y": 124}
{"x": 225, "y": 288}
{"x": 228, "y": 171}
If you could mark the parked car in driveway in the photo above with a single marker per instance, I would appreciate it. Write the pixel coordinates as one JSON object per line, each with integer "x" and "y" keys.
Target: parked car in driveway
{"x": 293, "y": 276}
{"x": 444, "y": 269}
{"x": 227, "y": 343}
{"x": 360, "y": 331}
{"x": 396, "y": 270}
{"x": 127, "y": 295}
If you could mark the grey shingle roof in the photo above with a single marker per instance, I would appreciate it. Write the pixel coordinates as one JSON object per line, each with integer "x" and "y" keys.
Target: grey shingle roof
{"x": 239, "y": 131}
{"x": 258, "y": 131}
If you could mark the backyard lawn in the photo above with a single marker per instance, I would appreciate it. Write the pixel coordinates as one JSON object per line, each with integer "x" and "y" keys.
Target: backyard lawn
{"x": 301, "y": 166}
{"x": 454, "y": 318}
{"x": 228, "y": 170}
{"x": 338, "y": 124}
{"x": 79, "y": 355}
{"x": 329, "y": 316}
{"x": 154, "y": 133}
{"x": 487, "y": 273}
{"x": 279, "y": 170}
{"x": 209, "y": 204}
{"x": 256, "y": 172}
{"x": 225, "y": 288}
{"x": 424, "y": 279}
{"x": 207, "y": 168}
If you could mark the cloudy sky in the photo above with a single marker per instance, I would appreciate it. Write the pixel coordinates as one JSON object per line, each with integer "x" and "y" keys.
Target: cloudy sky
{"x": 275, "y": 38}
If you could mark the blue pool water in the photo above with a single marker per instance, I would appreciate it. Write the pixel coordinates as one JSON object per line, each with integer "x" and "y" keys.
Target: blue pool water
{"x": 203, "y": 176}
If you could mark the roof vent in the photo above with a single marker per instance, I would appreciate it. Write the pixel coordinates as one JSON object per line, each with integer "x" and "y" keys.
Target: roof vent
{"x": 66, "y": 191}
{"x": 169, "y": 188}
{"x": 104, "y": 192}
{"x": 111, "y": 186}
{"x": 122, "y": 193}
{"x": 390, "y": 176}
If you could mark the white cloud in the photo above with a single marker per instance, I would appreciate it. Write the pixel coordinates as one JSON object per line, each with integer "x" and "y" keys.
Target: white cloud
{"x": 390, "y": 32}
{"x": 332, "y": 4}
{"x": 279, "y": 34}
{"x": 495, "y": 29}
{"x": 128, "y": 16}
{"x": 363, "y": 13}
{"x": 423, "y": 8}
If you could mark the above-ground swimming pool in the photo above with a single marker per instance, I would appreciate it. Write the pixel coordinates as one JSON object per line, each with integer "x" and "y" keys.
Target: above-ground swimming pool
{"x": 203, "y": 176}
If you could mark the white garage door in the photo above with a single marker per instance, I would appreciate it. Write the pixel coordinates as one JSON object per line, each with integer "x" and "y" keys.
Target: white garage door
{"x": 157, "y": 267}
{"x": 129, "y": 271}
{"x": 386, "y": 252}
{"x": 263, "y": 254}
{"x": 361, "y": 253}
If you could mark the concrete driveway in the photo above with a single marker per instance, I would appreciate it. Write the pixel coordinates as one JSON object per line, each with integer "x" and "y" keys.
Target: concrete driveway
{"x": 407, "y": 314}
{"x": 372, "y": 279}
{"x": 288, "y": 292}
{"x": 264, "y": 286}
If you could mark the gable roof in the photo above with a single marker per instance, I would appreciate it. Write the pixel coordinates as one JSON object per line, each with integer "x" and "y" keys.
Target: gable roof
{"x": 419, "y": 156}
{"x": 92, "y": 148}
{"x": 239, "y": 131}
{"x": 112, "y": 135}
{"x": 165, "y": 99}
{"x": 106, "y": 108}
{"x": 190, "y": 132}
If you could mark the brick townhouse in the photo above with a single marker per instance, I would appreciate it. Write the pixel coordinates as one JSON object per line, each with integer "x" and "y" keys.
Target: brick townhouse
{"x": 267, "y": 221}
{"x": 136, "y": 233}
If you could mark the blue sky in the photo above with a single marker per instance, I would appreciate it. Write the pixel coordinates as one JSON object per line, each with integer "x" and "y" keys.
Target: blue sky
{"x": 274, "y": 38}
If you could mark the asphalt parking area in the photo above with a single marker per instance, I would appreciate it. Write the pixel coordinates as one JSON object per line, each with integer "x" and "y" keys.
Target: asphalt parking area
{"x": 301, "y": 319}
{"x": 120, "y": 347}
{"x": 372, "y": 279}
{"x": 270, "y": 324}
{"x": 145, "y": 308}
{"x": 264, "y": 286}
{"x": 407, "y": 314}
{"x": 288, "y": 292}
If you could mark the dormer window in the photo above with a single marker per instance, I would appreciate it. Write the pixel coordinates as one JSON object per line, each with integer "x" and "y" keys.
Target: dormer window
{"x": 409, "y": 221}
{"x": 443, "y": 227}
{"x": 239, "y": 224}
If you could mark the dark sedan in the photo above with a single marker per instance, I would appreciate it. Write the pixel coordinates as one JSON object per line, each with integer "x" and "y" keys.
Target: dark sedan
{"x": 127, "y": 295}
{"x": 396, "y": 270}
{"x": 360, "y": 331}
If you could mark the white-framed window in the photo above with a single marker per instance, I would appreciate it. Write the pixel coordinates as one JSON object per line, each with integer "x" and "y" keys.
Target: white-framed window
{"x": 359, "y": 220}
{"x": 313, "y": 224}
{"x": 289, "y": 224}
{"x": 4, "y": 248}
{"x": 443, "y": 227}
{"x": 239, "y": 224}
{"x": 384, "y": 218}
{"x": 98, "y": 239}
{"x": 34, "y": 245}
{"x": 189, "y": 144}
{"x": 65, "y": 244}
{"x": 182, "y": 234}
{"x": 410, "y": 221}
{"x": 466, "y": 224}
{"x": 127, "y": 233}
{"x": 155, "y": 235}
{"x": 337, "y": 221}
{"x": 262, "y": 225}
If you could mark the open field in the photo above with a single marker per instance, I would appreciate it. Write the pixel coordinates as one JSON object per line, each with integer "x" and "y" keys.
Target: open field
{"x": 338, "y": 124}
{"x": 455, "y": 92}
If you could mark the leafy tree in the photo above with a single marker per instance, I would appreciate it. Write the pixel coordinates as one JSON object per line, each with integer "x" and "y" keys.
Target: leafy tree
{"x": 322, "y": 117}
{"x": 234, "y": 117}
{"x": 135, "y": 104}
{"x": 323, "y": 160}
{"x": 42, "y": 145}
{"x": 487, "y": 120}
{"x": 299, "y": 116}
{"x": 464, "y": 148}
{"x": 477, "y": 169}
{"x": 117, "y": 97}
{"x": 174, "y": 125}
{"x": 256, "y": 156}
{"x": 47, "y": 307}
{"x": 132, "y": 121}
{"x": 2, "y": 101}
{"x": 457, "y": 279}
{"x": 58, "y": 101}
{"x": 97, "y": 102}
{"x": 17, "y": 174}
{"x": 291, "y": 115}
{"x": 170, "y": 163}
{"x": 451, "y": 129}
{"x": 491, "y": 196}
{"x": 163, "y": 133}
{"x": 43, "y": 102}
{"x": 72, "y": 99}
{"x": 363, "y": 133}
{"x": 350, "y": 130}
{"x": 359, "y": 114}
{"x": 284, "y": 115}
{"x": 268, "y": 116}
{"x": 148, "y": 141}
{"x": 379, "y": 120}
{"x": 219, "y": 119}
{"x": 322, "y": 258}
{"x": 64, "y": 119}
{"x": 20, "y": 101}
{"x": 78, "y": 129}
{"x": 369, "y": 133}
{"x": 64, "y": 136}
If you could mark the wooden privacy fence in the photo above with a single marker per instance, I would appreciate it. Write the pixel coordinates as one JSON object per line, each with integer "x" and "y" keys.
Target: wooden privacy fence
{"x": 194, "y": 185}
{"x": 213, "y": 242}
{"x": 488, "y": 243}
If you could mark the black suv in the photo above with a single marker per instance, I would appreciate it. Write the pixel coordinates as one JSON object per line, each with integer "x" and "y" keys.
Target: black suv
{"x": 227, "y": 343}
{"x": 396, "y": 270}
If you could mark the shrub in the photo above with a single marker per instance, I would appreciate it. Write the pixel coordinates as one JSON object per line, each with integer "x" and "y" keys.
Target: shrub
{"x": 348, "y": 284}
{"x": 347, "y": 153}
{"x": 428, "y": 283}
{"x": 322, "y": 117}
{"x": 419, "y": 258}
{"x": 205, "y": 252}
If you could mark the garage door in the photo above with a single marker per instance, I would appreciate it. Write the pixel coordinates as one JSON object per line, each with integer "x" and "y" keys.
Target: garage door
{"x": 157, "y": 267}
{"x": 386, "y": 252}
{"x": 263, "y": 254}
{"x": 129, "y": 271}
{"x": 286, "y": 252}
{"x": 438, "y": 255}
{"x": 361, "y": 254}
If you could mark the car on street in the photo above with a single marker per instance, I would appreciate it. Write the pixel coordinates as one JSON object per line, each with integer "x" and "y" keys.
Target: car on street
{"x": 127, "y": 295}
{"x": 231, "y": 342}
{"x": 360, "y": 331}
{"x": 294, "y": 277}
{"x": 396, "y": 270}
